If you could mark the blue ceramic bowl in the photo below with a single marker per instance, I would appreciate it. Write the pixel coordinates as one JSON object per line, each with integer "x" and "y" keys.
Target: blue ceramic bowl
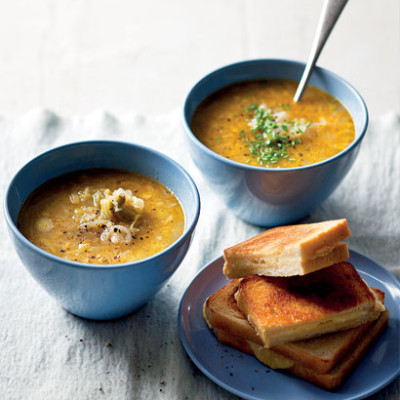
{"x": 268, "y": 196}
{"x": 94, "y": 291}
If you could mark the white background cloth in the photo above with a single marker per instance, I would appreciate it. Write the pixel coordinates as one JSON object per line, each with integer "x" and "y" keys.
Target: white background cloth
{"x": 120, "y": 70}
{"x": 76, "y": 56}
{"x": 49, "y": 354}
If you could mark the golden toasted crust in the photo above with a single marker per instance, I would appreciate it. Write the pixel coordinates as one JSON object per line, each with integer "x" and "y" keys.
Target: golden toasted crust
{"x": 342, "y": 370}
{"x": 300, "y": 307}
{"x": 289, "y": 250}
{"x": 324, "y": 352}
{"x": 335, "y": 377}
{"x": 233, "y": 340}
{"x": 321, "y": 354}
{"x": 221, "y": 311}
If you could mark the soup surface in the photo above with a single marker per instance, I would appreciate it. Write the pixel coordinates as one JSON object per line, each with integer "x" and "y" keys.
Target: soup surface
{"x": 102, "y": 216}
{"x": 258, "y": 123}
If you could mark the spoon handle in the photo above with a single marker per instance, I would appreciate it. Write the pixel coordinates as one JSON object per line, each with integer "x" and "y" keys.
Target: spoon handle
{"x": 330, "y": 13}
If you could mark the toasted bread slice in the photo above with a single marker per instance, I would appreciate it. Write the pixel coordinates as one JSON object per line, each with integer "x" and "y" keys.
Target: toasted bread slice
{"x": 220, "y": 310}
{"x": 289, "y": 309}
{"x": 329, "y": 380}
{"x": 324, "y": 361}
{"x": 340, "y": 372}
{"x": 321, "y": 354}
{"x": 289, "y": 250}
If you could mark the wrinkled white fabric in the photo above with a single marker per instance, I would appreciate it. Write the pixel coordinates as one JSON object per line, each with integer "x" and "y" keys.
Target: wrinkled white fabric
{"x": 48, "y": 353}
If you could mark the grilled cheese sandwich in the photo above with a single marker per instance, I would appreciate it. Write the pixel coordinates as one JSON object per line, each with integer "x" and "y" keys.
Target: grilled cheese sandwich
{"x": 324, "y": 361}
{"x": 300, "y": 307}
{"x": 289, "y": 250}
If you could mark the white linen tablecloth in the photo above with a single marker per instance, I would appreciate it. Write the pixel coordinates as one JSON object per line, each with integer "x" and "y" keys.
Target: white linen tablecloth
{"x": 48, "y": 353}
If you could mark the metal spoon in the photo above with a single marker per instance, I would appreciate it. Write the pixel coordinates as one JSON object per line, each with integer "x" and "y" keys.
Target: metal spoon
{"x": 330, "y": 13}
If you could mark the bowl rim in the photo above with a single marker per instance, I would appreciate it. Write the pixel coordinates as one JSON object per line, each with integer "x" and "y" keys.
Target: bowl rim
{"x": 79, "y": 265}
{"x": 235, "y": 164}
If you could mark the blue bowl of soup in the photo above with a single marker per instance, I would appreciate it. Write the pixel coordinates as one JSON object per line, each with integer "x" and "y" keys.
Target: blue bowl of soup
{"x": 94, "y": 290}
{"x": 263, "y": 194}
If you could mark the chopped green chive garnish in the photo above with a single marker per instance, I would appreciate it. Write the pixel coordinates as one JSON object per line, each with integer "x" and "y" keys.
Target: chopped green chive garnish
{"x": 218, "y": 139}
{"x": 285, "y": 106}
{"x": 253, "y": 107}
{"x": 269, "y": 140}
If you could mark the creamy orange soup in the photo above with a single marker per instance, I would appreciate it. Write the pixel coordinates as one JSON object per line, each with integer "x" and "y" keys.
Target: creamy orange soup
{"x": 102, "y": 216}
{"x": 258, "y": 123}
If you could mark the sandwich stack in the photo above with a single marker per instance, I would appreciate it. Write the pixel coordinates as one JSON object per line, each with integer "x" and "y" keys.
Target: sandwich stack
{"x": 296, "y": 304}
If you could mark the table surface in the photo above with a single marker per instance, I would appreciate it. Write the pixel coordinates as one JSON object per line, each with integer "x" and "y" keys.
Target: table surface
{"x": 75, "y": 70}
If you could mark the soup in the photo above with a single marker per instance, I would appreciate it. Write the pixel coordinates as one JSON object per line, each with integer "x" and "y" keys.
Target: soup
{"x": 259, "y": 124}
{"x": 102, "y": 216}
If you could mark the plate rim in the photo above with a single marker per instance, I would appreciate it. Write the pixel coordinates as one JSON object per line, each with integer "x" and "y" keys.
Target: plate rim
{"x": 249, "y": 396}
